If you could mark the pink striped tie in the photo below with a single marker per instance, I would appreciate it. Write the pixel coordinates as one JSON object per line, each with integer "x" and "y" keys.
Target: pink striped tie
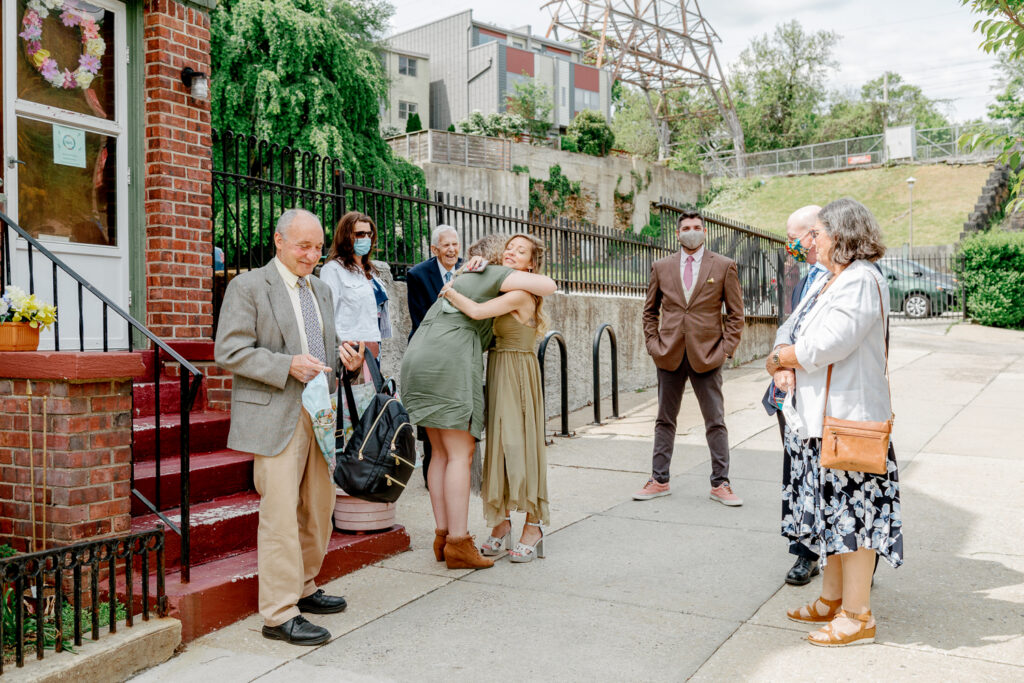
{"x": 688, "y": 272}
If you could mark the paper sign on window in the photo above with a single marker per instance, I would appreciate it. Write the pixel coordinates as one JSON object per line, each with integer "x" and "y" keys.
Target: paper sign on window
{"x": 68, "y": 146}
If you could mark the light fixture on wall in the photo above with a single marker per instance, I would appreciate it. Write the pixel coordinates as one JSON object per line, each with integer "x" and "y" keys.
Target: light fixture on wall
{"x": 197, "y": 83}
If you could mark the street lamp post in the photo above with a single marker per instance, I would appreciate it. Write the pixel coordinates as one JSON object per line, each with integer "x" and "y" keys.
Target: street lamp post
{"x": 910, "y": 184}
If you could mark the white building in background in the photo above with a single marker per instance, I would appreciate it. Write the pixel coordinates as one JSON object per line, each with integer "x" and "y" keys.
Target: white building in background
{"x": 408, "y": 90}
{"x": 475, "y": 66}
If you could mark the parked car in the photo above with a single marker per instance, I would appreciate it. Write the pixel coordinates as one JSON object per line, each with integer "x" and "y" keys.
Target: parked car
{"x": 917, "y": 290}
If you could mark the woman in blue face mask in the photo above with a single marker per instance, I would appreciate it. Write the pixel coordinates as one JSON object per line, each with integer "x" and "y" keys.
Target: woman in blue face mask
{"x": 360, "y": 298}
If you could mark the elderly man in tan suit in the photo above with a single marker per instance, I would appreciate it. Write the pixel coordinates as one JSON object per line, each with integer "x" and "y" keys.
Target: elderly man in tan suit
{"x": 276, "y": 332}
{"x": 686, "y": 295}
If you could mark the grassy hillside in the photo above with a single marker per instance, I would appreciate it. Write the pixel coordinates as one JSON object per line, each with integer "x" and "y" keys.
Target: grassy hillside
{"x": 943, "y": 196}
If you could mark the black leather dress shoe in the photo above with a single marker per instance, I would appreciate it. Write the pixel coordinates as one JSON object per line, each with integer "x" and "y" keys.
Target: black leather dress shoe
{"x": 321, "y": 603}
{"x": 802, "y": 572}
{"x": 298, "y": 631}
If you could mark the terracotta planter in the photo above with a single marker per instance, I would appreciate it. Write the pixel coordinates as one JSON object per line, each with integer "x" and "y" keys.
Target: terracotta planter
{"x": 18, "y": 337}
{"x": 354, "y": 515}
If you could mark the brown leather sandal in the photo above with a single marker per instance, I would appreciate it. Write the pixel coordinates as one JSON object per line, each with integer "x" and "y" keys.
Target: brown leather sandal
{"x": 813, "y": 617}
{"x": 862, "y": 636}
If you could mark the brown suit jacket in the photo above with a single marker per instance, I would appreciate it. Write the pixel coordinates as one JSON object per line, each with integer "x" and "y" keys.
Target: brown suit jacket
{"x": 696, "y": 329}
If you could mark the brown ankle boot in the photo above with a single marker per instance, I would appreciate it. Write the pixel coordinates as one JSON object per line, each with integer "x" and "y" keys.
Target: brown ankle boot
{"x": 439, "y": 539}
{"x": 461, "y": 553}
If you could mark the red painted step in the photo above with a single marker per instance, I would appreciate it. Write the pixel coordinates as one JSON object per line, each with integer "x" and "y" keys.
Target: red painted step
{"x": 144, "y": 397}
{"x": 225, "y": 590}
{"x": 215, "y": 474}
{"x": 208, "y": 432}
{"x": 219, "y": 527}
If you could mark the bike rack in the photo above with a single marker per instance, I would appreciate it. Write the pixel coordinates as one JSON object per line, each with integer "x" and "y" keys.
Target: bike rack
{"x": 563, "y": 356}
{"x": 597, "y": 372}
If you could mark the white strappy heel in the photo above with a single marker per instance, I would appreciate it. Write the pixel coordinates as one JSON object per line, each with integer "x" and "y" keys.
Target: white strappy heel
{"x": 526, "y": 553}
{"x": 495, "y": 545}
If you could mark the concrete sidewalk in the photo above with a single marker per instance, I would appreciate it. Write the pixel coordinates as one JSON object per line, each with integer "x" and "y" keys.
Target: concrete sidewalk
{"x": 683, "y": 587}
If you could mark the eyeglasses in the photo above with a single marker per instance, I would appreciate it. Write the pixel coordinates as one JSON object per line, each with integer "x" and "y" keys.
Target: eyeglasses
{"x": 363, "y": 233}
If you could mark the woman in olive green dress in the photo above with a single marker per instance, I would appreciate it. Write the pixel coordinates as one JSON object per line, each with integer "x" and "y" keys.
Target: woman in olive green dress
{"x": 442, "y": 388}
{"x": 515, "y": 462}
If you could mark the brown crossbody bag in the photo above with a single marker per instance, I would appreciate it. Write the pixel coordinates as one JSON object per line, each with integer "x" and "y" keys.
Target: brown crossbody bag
{"x": 854, "y": 445}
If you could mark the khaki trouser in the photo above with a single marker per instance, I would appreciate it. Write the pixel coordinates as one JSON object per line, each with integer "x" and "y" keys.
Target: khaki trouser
{"x": 296, "y": 504}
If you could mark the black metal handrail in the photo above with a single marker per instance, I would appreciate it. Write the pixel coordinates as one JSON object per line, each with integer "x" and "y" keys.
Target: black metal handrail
{"x": 597, "y": 372}
{"x": 29, "y": 573}
{"x": 564, "y": 371}
{"x": 190, "y": 378}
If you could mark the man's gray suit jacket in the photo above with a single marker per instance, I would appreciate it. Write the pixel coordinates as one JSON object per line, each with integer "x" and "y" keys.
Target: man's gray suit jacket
{"x": 257, "y": 335}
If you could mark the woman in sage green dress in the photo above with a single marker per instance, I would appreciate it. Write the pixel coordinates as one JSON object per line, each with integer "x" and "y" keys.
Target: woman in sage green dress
{"x": 442, "y": 388}
{"x": 515, "y": 462}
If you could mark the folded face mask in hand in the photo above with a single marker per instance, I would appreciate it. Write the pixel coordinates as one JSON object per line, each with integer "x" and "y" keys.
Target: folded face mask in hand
{"x": 322, "y": 407}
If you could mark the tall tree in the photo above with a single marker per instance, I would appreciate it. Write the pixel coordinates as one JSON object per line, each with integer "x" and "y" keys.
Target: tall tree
{"x": 632, "y": 125}
{"x": 290, "y": 72}
{"x": 1009, "y": 104}
{"x": 779, "y": 85}
{"x": 906, "y": 103}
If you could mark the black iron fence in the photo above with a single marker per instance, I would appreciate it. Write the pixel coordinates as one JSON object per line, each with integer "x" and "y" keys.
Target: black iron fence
{"x": 924, "y": 285}
{"x": 48, "y": 599}
{"x": 255, "y": 181}
{"x": 26, "y": 263}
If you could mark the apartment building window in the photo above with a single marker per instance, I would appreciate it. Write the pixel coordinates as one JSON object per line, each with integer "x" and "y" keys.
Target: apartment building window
{"x": 586, "y": 99}
{"x": 406, "y": 109}
{"x": 406, "y": 66}
{"x": 511, "y": 81}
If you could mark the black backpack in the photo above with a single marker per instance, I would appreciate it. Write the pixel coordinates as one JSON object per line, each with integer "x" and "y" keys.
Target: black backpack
{"x": 379, "y": 458}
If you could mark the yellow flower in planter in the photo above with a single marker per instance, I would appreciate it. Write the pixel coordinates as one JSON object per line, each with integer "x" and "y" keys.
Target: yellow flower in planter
{"x": 17, "y": 306}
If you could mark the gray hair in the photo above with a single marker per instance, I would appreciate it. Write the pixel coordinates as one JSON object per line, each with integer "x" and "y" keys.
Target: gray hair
{"x": 289, "y": 216}
{"x": 854, "y": 231}
{"x": 435, "y": 236}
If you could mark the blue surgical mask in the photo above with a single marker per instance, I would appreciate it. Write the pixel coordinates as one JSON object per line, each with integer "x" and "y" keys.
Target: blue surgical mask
{"x": 362, "y": 245}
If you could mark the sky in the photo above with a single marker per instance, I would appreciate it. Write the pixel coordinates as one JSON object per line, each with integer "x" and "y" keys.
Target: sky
{"x": 931, "y": 43}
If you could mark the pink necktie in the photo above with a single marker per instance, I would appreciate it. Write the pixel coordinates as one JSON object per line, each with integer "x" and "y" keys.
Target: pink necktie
{"x": 688, "y": 272}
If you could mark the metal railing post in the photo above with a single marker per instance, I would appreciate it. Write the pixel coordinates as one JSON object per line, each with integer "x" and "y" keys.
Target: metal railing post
{"x": 564, "y": 371}
{"x": 597, "y": 372}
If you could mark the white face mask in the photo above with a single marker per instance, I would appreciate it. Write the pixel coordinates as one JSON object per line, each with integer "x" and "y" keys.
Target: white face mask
{"x": 691, "y": 239}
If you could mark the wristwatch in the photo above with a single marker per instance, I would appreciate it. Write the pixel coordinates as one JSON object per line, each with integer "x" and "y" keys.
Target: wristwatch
{"x": 775, "y": 359}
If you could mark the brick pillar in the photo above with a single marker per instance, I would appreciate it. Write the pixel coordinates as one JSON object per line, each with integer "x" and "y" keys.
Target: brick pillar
{"x": 88, "y": 425}
{"x": 178, "y": 182}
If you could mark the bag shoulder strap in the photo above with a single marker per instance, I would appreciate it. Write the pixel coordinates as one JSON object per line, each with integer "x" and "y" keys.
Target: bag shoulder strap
{"x": 888, "y": 385}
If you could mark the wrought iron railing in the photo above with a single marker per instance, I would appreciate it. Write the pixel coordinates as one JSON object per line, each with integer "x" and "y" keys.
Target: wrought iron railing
{"x": 40, "y": 265}
{"x": 37, "y": 588}
{"x": 254, "y": 182}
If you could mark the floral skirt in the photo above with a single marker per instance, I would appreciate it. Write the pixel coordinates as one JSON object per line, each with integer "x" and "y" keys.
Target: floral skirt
{"x": 832, "y": 511}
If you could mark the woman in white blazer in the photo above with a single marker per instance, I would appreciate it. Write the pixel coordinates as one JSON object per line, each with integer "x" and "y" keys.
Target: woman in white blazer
{"x": 845, "y": 517}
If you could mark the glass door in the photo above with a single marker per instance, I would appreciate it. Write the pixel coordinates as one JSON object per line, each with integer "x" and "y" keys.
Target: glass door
{"x": 65, "y": 178}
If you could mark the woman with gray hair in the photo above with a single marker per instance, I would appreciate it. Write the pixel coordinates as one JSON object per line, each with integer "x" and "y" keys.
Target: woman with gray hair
{"x": 839, "y": 349}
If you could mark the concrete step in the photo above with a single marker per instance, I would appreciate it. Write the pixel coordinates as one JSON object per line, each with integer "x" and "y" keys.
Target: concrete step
{"x": 225, "y": 590}
{"x": 208, "y": 432}
{"x": 212, "y": 475}
{"x": 220, "y": 527}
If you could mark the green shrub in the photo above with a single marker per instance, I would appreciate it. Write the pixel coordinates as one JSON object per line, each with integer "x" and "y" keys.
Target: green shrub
{"x": 591, "y": 133}
{"x": 569, "y": 145}
{"x": 413, "y": 124}
{"x": 993, "y": 274}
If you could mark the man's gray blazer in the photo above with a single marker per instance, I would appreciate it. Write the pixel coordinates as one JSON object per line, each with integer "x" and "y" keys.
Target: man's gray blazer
{"x": 257, "y": 335}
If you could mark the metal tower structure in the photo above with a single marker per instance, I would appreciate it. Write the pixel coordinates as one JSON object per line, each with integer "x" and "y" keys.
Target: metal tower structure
{"x": 659, "y": 46}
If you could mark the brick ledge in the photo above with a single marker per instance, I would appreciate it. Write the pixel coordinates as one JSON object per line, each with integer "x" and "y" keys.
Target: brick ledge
{"x": 71, "y": 365}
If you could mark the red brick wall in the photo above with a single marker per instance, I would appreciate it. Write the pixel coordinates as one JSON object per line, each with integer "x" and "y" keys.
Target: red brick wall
{"x": 179, "y": 238}
{"x": 88, "y": 460}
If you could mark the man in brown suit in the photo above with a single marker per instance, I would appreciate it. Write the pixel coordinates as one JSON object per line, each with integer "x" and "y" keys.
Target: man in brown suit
{"x": 686, "y": 294}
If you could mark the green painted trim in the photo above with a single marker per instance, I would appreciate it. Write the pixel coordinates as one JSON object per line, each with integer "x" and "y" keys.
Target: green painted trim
{"x": 136, "y": 138}
{"x": 201, "y": 5}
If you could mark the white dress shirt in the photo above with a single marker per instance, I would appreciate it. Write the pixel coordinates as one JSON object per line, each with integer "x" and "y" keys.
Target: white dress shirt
{"x": 291, "y": 281}
{"x": 443, "y": 271}
{"x": 846, "y": 327}
{"x": 687, "y": 292}
{"x": 355, "y": 306}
